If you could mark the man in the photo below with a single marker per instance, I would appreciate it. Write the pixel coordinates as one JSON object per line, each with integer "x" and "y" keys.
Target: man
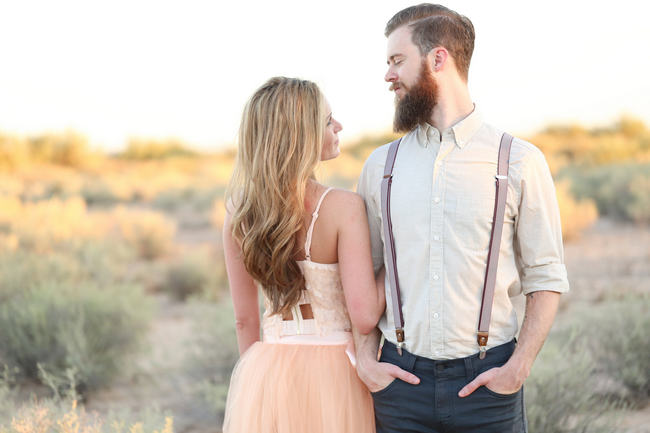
{"x": 442, "y": 204}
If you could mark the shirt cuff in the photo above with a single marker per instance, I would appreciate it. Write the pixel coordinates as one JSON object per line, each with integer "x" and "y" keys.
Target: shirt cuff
{"x": 552, "y": 277}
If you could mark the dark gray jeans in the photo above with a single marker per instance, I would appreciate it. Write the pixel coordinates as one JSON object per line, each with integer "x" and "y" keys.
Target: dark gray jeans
{"x": 433, "y": 406}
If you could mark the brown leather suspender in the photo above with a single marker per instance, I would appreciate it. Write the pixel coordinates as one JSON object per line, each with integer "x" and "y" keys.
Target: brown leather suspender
{"x": 493, "y": 252}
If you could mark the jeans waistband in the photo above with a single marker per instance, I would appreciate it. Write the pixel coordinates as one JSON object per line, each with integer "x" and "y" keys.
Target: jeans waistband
{"x": 468, "y": 366}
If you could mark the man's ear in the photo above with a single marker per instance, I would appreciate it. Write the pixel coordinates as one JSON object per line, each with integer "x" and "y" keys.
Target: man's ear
{"x": 437, "y": 58}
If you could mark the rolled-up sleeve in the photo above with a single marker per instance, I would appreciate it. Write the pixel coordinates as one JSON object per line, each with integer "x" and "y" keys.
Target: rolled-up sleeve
{"x": 539, "y": 252}
{"x": 368, "y": 189}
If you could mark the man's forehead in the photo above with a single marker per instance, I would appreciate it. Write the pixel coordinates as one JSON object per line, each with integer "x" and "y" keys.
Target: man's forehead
{"x": 399, "y": 42}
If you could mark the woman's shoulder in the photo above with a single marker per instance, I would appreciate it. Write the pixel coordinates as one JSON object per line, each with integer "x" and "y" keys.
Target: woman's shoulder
{"x": 342, "y": 203}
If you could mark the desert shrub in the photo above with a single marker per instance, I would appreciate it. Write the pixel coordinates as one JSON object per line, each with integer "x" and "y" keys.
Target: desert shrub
{"x": 617, "y": 334}
{"x": 598, "y": 362}
{"x": 198, "y": 199}
{"x": 42, "y": 226}
{"x": 575, "y": 215}
{"x": 150, "y": 233}
{"x": 96, "y": 192}
{"x": 66, "y": 416}
{"x": 619, "y": 190}
{"x": 54, "y": 327}
{"x": 138, "y": 149}
{"x": 186, "y": 277}
{"x": 198, "y": 272}
{"x": 102, "y": 262}
{"x": 559, "y": 392}
{"x": 212, "y": 352}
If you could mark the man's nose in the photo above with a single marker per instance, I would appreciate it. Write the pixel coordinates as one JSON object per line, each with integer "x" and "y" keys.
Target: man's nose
{"x": 390, "y": 76}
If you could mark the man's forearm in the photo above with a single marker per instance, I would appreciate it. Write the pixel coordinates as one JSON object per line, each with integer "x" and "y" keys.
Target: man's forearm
{"x": 538, "y": 318}
{"x": 366, "y": 345}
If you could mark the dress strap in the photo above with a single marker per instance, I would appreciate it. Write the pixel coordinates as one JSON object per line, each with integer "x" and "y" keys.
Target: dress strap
{"x": 314, "y": 217}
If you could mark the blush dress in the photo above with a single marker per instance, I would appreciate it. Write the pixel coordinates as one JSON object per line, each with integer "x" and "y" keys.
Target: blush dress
{"x": 300, "y": 378}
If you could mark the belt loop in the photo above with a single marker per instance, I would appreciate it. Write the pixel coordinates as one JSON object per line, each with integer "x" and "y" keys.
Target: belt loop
{"x": 469, "y": 368}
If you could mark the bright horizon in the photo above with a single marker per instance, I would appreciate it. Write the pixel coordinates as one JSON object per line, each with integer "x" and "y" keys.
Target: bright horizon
{"x": 171, "y": 69}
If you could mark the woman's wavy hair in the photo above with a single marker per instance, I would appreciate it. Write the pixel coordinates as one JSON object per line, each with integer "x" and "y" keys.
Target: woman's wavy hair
{"x": 280, "y": 142}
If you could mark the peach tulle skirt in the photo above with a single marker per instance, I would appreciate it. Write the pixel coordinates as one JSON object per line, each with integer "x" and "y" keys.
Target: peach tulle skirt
{"x": 297, "y": 388}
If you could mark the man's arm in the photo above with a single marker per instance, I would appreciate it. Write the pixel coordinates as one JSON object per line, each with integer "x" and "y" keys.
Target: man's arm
{"x": 540, "y": 312}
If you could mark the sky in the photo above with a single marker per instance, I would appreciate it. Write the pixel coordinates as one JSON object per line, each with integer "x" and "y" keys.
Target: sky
{"x": 120, "y": 69}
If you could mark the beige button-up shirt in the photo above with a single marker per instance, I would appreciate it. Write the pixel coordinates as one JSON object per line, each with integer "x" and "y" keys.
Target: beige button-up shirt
{"x": 442, "y": 202}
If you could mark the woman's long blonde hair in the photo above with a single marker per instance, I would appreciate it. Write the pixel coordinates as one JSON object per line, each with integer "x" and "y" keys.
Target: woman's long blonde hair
{"x": 280, "y": 142}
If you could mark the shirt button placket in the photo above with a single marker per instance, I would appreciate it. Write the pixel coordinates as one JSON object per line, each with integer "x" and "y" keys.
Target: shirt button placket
{"x": 436, "y": 250}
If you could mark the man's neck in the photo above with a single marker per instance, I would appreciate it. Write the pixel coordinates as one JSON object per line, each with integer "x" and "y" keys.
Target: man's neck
{"x": 453, "y": 105}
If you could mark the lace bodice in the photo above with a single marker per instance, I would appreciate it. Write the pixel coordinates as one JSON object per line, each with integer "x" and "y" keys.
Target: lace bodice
{"x": 323, "y": 293}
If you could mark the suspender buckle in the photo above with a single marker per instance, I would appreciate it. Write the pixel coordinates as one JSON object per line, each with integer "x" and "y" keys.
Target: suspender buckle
{"x": 498, "y": 176}
{"x": 399, "y": 332}
{"x": 482, "y": 338}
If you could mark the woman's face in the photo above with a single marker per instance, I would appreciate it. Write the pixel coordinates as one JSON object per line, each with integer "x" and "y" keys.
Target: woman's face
{"x": 330, "y": 138}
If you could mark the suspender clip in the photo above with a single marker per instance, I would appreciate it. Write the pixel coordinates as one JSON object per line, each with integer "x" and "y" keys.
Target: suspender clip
{"x": 399, "y": 333}
{"x": 482, "y": 338}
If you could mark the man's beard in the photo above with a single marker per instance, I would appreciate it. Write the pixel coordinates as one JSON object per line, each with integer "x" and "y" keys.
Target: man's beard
{"x": 416, "y": 106}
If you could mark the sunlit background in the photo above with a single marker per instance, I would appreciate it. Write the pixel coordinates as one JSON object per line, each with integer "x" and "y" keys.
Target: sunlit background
{"x": 159, "y": 69}
{"x": 117, "y": 128}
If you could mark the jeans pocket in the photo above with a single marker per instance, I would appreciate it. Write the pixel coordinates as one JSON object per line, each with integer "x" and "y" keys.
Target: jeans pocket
{"x": 384, "y": 390}
{"x": 498, "y": 395}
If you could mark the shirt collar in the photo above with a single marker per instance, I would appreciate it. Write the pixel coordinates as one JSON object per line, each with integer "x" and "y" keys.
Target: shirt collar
{"x": 461, "y": 132}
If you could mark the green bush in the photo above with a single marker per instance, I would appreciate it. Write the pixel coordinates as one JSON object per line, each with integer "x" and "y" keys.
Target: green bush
{"x": 560, "y": 394}
{"x": 189, "y": 276}
{"x": 53, "y": 328}
{"x": 198, "y": 199}
{"x": 101, "y": 262}
{"x": 597, "y": 363}
{"x": 619, "y": 190}
{"x": 617, "y": 331}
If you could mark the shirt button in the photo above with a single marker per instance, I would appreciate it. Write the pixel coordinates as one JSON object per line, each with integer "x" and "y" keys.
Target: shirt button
{"x": 436, "y": 315}
{"x": 435, "y": 276}
{"x": 436, "y": 238}
{"x": 437, "y": 199}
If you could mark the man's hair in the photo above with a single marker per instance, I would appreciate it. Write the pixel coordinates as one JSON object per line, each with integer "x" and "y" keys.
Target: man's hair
{"x": 433, "y": 26}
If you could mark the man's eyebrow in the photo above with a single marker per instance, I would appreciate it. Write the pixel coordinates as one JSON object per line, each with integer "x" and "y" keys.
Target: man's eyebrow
{"x": 392, "y": 58}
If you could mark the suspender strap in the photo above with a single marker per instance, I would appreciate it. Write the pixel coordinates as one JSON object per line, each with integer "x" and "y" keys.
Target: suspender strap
{"x": 495, "y": 243}
{"x": 391, "y": 260}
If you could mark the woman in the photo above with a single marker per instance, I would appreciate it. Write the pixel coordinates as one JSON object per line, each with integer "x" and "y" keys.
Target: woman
{"x": 308, "y": 248}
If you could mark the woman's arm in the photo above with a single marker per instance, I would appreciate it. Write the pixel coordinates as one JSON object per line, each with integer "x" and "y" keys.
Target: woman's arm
{"x": 364, "y": 299}
{"x": 242, "y": 290}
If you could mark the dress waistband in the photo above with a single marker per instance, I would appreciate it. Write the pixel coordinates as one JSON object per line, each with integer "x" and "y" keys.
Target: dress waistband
{"x": 330, "y": 339}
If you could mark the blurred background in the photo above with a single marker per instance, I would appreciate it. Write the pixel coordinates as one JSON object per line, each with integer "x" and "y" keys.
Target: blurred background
{"x": 118, "y": 124}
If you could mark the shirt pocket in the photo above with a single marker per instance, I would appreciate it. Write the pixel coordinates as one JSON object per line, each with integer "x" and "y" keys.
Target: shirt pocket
{"x": 473, "y": 216}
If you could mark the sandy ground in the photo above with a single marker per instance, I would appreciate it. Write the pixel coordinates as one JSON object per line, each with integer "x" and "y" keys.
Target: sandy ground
{"x": 608, "y": 255}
